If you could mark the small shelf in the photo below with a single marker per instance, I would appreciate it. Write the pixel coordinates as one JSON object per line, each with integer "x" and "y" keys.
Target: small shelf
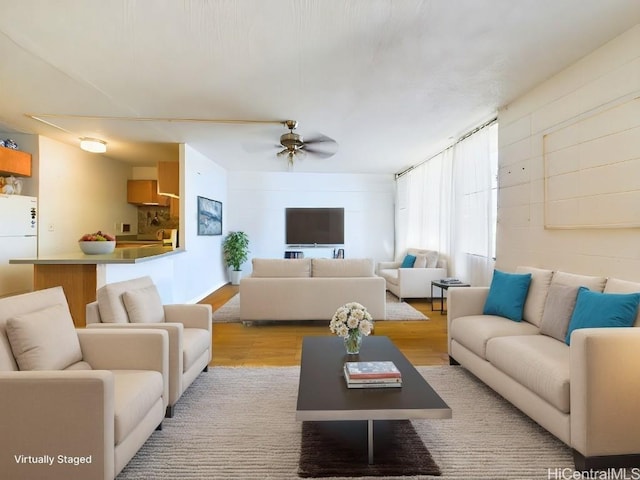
{"x": 15, "y": 162}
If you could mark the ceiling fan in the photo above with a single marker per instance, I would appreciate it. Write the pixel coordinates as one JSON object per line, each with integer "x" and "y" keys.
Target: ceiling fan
{"x": 295, "y": 146}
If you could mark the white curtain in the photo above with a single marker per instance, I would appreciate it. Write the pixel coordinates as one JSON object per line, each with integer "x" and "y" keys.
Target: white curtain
{"x": 448, "y": 204}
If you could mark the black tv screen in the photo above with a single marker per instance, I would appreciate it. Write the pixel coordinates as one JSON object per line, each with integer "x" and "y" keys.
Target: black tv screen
{"x": 314, "y": 226}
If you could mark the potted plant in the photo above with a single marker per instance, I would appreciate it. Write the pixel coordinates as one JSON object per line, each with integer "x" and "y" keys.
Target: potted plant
{"x": 236, "y": 251}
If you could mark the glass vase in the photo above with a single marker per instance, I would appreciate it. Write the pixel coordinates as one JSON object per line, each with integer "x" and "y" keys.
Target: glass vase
{"x": 353, "y": 341}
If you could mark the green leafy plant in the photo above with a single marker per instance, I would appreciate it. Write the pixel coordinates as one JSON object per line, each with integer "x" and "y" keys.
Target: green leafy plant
{"x": 235, "y": 249}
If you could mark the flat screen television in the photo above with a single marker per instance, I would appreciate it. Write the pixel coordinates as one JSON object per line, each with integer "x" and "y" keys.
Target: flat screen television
{"x": 314, "y": 226}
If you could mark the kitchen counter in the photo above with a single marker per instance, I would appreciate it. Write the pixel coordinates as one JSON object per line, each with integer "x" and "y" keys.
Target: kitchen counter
{"x": 81, "y": 275}
{"x": 119, "y": 255}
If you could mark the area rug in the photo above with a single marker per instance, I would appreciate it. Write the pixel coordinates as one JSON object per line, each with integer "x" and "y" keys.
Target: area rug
{"x": 239, "y": 423}
{"x": 333, "y": 449}
{"x": 396, "y": 310}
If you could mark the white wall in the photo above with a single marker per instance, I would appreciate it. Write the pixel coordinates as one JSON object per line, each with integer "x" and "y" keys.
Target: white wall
{"x": 607, "y": 76}
{"x": 79, "y": 192}
{"x": 200, "y": 270}
{"x": 257, "y": 203}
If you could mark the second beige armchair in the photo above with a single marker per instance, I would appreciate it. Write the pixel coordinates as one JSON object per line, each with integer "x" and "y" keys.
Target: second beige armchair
{"x": 136, "y": 304}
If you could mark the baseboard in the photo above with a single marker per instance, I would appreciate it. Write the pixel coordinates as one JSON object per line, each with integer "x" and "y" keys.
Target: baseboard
{"x": 605, "y": 462}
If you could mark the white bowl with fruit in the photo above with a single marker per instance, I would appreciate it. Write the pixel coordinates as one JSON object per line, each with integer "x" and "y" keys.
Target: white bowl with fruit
{"x": 98, "y": 243}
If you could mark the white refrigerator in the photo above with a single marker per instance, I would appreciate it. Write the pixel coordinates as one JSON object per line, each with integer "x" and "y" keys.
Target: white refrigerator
{"x": 18, "y": 239}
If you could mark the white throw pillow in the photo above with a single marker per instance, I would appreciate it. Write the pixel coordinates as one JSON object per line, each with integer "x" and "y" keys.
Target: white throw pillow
{"x": 421, "y": 261}
{"x": 110, "y": 302}
{"x": 144, "y": 305}
{"x": 45, "y": 339}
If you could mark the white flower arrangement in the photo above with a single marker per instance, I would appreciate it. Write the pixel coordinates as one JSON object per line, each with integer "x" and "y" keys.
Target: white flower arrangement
{"x": 349, "y": 318}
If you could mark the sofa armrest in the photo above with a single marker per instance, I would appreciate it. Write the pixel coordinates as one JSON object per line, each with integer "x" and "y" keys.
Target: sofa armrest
{"x": 190, "y": 315}
{"x": 125, "y": 349}
{"x": 175, "y": 331}
{"x": 462, "y": 302}
{"x": 92, "y": 313}
{"x": 57, "y": 413}
{"x": 387, "y": 265}
{"x": 605, "y": 391}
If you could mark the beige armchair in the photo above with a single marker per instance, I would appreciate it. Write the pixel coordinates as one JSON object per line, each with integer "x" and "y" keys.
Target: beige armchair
{"x": 136, "y": 304}
{"x": 75, "y": 404}
{"x": 414, "y": 282}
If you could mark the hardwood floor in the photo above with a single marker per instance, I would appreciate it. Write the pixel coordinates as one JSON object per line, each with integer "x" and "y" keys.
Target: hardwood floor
{"x": 279, "y": 344}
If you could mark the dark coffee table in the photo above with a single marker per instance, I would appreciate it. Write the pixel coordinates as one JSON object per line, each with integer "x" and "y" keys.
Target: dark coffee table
{"x": 323, "y": 394}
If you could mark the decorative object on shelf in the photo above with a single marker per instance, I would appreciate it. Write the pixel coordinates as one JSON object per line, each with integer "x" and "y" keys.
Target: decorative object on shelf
{"x": 8, "y": 143}
{"x": 10, "y": 185}
{"x": 97, "y": 243}
{"x": 351, "y": 322}
{"x": 209, "y": 216}
{"x": 235, "y": 249}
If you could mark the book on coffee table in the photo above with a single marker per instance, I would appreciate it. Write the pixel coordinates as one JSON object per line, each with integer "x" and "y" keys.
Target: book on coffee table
{"x": 372, "y": 375}
{"x": 372, "y": 370}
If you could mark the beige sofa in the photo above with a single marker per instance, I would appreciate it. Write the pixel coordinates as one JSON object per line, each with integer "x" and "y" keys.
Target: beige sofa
{"x": 84, "y": 400}
{"x": 309, "y": 288}
{"x": 136, "y": 303}
{"x": 414, "y": 282}
{"x": 586, "y": 394}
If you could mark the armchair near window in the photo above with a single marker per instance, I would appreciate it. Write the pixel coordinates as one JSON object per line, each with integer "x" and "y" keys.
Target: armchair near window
{"x": 84, "y": 400}
{"x": 136, "y": 303}
{"x": 412, "y": 277}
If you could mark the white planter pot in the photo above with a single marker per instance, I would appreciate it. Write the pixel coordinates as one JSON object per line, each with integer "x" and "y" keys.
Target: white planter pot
{"x": 234, "y": 276}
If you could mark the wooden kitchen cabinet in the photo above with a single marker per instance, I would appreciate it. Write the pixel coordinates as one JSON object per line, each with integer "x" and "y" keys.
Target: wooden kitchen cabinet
{"x": 174, "y": 207}
{"x": 169, "y": 178}
{"x": 145, "y": 192}
{"x": 15, "y": 162}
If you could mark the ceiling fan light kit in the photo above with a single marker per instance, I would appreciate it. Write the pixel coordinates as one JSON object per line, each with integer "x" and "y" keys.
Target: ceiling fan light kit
{"x": 295, "y": 147}
{"x": 93, "y": 145}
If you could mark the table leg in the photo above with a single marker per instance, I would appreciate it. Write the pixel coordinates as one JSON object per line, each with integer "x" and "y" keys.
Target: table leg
{"x": 370, "y": 440}
{"x": 441, "y": 301}
{"x": 432, "y": 296}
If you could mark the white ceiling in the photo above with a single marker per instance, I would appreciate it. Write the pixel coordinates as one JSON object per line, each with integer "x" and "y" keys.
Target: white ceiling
{"x": 393, "y": 82}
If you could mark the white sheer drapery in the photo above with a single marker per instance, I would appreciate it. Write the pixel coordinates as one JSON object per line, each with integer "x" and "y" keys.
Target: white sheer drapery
{"x": 448, "y": 204}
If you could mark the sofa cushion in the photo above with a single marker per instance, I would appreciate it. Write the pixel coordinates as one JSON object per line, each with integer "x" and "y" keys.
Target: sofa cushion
{"x": 420, "y": 262}
{"x": 432, "y": 256}
{"x": 347, "y": 267}
{"x": 537, "y": 362}
{"x": 598, "y": 310}
{"x": 144, "y": 305}
{"x": 195, "y": 341}
{"x": 390, "y": 275}
{"x": 135, "y": 392}
{"x": 110, "y": 302}
{"x": 592, "y": 283}
{"x": 615, "y": 285}
{"x": 408, "y": 261}
{"x": 507, "y": 294}
{"x": 534, "y": 304}
{"x": 474, "y": 331}
{"x": 279, "y": 267}
{"x": 558, "y": 309}
{"x": 45, "y": 339}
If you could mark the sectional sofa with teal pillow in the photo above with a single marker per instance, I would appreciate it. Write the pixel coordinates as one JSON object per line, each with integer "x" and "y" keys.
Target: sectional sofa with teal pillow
{"x": 586, "y": 393}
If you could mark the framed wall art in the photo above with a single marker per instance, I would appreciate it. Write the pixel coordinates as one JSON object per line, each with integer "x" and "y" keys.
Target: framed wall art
{"x": 209, "y": 216}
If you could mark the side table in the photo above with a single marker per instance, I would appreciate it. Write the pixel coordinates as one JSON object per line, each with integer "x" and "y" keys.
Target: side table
{"x": 444, "y": 286}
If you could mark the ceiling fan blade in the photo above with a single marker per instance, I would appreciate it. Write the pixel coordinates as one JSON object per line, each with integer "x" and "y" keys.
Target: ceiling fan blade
{"x": 319, "y": 138}
{"x": 318, "y": 153}
{"x": 282, "y": 152}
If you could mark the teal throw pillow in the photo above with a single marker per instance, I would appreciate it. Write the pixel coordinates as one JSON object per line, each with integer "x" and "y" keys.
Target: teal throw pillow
{"x": 598, "y": 310}
{"x": 507, "y": 294}
{"x": 408, "y": 261}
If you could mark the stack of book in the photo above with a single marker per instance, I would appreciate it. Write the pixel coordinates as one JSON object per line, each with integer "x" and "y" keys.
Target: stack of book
{"x": 372, "y": 375}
